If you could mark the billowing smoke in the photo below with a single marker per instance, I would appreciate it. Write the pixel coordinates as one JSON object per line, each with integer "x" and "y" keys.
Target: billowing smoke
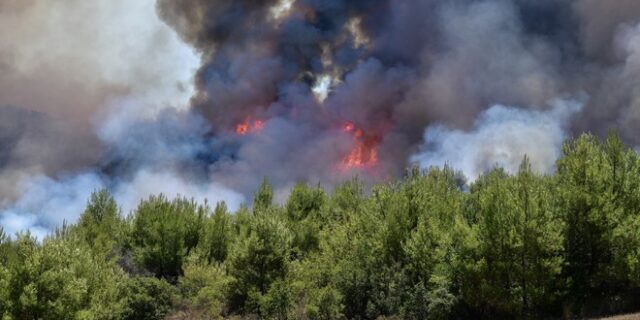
{"x": 94, "y": 95}
{"x": 205, "y": 98}
{"x": 501, "y": 137}
{"x": 45, "y": 203}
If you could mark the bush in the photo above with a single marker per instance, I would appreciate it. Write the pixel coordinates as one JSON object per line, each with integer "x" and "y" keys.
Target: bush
{"x": 148, "y": 299}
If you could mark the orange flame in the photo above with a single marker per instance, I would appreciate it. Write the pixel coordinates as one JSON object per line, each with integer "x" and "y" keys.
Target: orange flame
{"x": 242, "y": 128}
{"x": 249, "y": 126}
{"x": 365, "y": 153}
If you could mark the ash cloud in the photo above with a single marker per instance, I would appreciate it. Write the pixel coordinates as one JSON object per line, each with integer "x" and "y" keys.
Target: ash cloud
{"x": 129, "y": 91}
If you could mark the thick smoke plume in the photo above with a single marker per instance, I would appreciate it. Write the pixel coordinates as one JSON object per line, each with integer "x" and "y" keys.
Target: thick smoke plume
{"x": 63, "y": 65}
{"x": 207, "y": 97}
{"x": 501, "y": 137}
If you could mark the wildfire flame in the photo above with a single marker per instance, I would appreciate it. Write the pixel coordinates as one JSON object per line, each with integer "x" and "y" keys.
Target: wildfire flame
{"x": 365, "y": 152}
{"x": 249, "y": 126}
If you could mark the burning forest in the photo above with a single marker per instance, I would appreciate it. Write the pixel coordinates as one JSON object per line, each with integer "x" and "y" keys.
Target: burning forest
{"x": 408, "y": 101}
{"x": 218, "y": 95}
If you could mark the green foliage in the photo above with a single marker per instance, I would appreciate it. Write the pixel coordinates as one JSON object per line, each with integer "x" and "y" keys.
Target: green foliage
{"x": 276, "y": 303}
{"x": 517, "y": 255}
{"x": 59, "y": 279}
{"x": 203, "y": 288}
{"x": 304, "y": 218}
{"x": 264, "y": 197}
{"x": 259, "y": 258}
{"x": 599, "y": 185}
{"x": 324, "y": 303}
{"x": 430, "y": 246}
{"x": 218, "y": 235}
{"x": 164, "y": 232}
{"x": 100, "y": 224}
{"x": 5, "y": 247}
{"x": 315, "y": 296}
{"x": 148, "y": 299}
{"x": 5, "y": 290}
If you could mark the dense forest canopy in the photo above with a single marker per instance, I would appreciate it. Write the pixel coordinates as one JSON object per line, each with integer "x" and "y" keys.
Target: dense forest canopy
{"x": 431, "y": 246}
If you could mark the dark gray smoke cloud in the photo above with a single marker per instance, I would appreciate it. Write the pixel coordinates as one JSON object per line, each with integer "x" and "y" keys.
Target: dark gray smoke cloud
{"x": 398, "y": 67}
{"x": 302, "y": 90}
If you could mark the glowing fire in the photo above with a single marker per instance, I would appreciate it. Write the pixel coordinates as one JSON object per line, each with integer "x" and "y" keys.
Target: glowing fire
{"x": 365, "y": 153}
{"x": 249, "y": 126}
{"x": 348, "y": 127}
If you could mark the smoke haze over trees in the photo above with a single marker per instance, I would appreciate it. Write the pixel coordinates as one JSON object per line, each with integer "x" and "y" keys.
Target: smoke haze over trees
{"x": 428, "y": 246}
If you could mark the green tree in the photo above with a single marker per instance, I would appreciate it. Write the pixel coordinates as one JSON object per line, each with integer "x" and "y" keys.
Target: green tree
{"x": 148, "y": 299}
{"x": 435, "y": 209}
{"x": 435, "y": 206}
{"x": 61, "y": 279}
{"x": 516, "y": 259}
{"x": 258, "y": 259}
{"x": 277, "y": 302}
{"x": 217, "y": 236}
{"x": 5, "y": 248}
{"x": 165, "y": 232}
{"x": 263, "y": 199}
{"x": 315, "y": 295}
{"x": 598, "y": 193}
{"x": 304, "y": 217}
{"x": 204, "y": 289}
{"x": 100, "y": 224}
{"x": 347, "y": 198}
{"x": 356, "y": 250}
{"x": 5, "y": 281}
{"x": 541, "y": 241}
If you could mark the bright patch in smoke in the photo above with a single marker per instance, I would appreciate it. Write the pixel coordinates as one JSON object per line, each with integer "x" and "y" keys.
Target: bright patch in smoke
{"x": 281, "y": 9}
{"x": 501, "y": 136}
{"x": 322, "y": 87}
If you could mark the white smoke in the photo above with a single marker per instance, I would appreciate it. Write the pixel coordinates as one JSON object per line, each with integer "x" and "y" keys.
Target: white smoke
{"x": 114, "y": 68}
{"x": 147, "y": 183}
{"x": 501, "y": 136}
{"x": 154, "y": 149}
{"x": 46, "y": 203}
{"x": 72, "y": 56}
